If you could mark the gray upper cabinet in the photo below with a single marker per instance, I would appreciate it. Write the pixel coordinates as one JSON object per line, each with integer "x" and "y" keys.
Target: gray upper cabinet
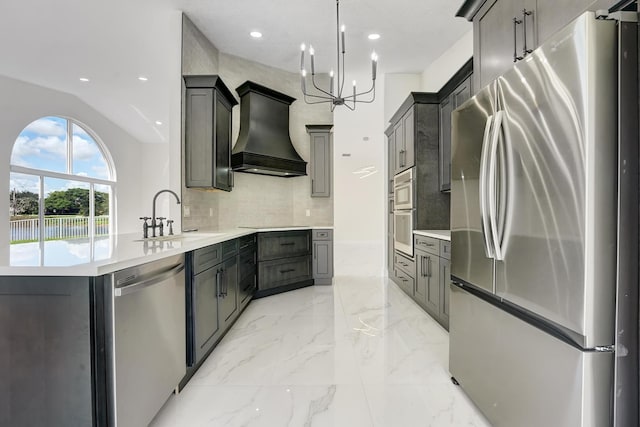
{"x": 320, "y": 136}
{"x": 208, "y": 106}
{"x": 499, "y": 41}
{"x": 506, "y": 31}
{"x": 404, "y": 141}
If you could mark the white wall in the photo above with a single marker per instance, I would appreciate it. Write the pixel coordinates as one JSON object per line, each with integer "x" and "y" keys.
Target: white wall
{"x": 396, "y": 89}
{"x": 443, "y": 68}
{"x": 359, "y": 203}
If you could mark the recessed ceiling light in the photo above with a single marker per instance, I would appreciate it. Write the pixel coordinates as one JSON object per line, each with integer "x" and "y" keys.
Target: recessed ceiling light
{"x": 374, "y": 36}
{"x": 158, "y": 122}
{"x": 255, "y": 34}
{"x": 84, "y": 79}
{"x": 143, "y": 78}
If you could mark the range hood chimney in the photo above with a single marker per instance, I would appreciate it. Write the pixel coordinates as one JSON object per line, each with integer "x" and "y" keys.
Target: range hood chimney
{"x": 264, "y": 145}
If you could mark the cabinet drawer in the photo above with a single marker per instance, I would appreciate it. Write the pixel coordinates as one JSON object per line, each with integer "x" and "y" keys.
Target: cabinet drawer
{"x": 282, "y": 272}
{"x": 427, "y": 244}
{"x": 247, "y": 264}
{"x": 445, "y": 249}
{"x": 229, "y": 248}
{"x": 284, "y": 244}
{"x": 322, "y": 234}
{"x": 247, "y": 241}
{"x": 205, "y": 258}
{"x": 404, "y": 280}
{"x": 404, "y": 263}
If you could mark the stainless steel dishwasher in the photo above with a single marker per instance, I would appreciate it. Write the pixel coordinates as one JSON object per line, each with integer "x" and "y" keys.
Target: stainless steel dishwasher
{"x": 146, "y": 341}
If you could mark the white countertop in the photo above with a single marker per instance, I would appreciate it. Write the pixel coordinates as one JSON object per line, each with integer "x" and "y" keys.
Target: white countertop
{"x": 436, "y": 234}
{"x": 103, "y": 255}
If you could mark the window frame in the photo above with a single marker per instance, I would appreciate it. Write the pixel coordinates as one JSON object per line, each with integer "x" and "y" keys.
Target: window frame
{"x": 41, "y": 174}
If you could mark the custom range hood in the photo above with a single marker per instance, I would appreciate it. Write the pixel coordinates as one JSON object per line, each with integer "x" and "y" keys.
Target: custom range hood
{"x": 264, "y": 146}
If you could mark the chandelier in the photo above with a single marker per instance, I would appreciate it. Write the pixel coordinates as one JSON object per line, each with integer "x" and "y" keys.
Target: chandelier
{"x": 335, "y": 96}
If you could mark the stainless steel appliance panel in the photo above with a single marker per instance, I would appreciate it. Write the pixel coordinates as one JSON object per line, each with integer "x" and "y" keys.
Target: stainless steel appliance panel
{"x": 148, "y": 343}
{"x": 471, "y": 257}
{"x": 404, "y": 184}
{"x": 553, "y": 207}
{"x": 403, "y": 224}
{"x": 516, "y": 373}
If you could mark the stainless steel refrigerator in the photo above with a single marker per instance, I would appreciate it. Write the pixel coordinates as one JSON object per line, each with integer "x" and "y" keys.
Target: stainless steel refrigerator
{"x": 544, "y": 224}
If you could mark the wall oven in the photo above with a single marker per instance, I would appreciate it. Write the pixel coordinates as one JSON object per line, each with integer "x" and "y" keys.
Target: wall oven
{"x": 404, "y": 212}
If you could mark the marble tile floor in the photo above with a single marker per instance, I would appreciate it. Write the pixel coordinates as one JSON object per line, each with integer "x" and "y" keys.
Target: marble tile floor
{"x": 359, "y": 353}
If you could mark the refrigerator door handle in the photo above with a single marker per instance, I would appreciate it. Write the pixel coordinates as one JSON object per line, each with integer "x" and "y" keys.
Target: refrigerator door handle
{"x": 484, "y": 159}
{"x": 491, "y": 183}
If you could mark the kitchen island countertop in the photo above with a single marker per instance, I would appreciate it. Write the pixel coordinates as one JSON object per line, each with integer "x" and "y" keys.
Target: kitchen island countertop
{"x": 106, "y": 254}
{"x": 436, "y": 234}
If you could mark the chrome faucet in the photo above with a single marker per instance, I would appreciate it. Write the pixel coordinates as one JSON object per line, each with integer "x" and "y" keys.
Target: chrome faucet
{"x": 157, "y": 224}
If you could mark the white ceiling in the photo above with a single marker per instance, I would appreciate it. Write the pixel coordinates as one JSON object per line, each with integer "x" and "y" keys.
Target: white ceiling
{"x": 54, "y": 43}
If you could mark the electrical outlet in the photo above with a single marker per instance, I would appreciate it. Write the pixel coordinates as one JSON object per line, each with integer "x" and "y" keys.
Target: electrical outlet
{"x": 308, "y": 212}
{"x": 187, "y": 211}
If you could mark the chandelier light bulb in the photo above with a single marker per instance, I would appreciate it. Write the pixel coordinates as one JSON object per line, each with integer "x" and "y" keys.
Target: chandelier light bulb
{"x": 303, "y": 47}
{"x": 331, "y": 73}
{"x": 311, "y": 50}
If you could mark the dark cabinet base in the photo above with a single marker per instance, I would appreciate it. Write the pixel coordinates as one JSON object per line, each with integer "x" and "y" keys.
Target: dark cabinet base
{"x": 284, "y": 288}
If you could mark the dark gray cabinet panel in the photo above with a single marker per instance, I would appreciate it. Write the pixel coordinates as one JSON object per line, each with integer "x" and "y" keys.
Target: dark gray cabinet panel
{"x": 206, "y": 258}
{"x": 277, "y": 245}
{"x": 247, "y": 269}
{"x": 552, "y": 15}
{"x": 205, "y": 312}
{"x": 322, "y": 256}
{"x": 391, "y": 159}
{"x": 398, "y": 138}
{"x": 452, "y": 101}
{"x": 227, "y": 280}
{"x": 433, "y": 275}
{"x": 280, "y": 272}
{"x": 408, "y": 143}
{"x": 320, "y": 136}
{"x": 446, "y": 108}
{"x": 284, "y": 261}
{"x": 494, "y": 32}
{"x": 46, "y": 359}
{"x": 208, "y": 105}
{"x": 404, "y": 280}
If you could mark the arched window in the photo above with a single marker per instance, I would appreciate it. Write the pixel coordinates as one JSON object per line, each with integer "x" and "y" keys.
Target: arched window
{"x": 61, "y": 176}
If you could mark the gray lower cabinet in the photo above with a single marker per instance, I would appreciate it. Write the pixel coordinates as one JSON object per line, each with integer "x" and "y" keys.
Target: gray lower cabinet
{"x": 284, "y": 261}
{"x": 207, "y": 149}
{"x": 52, "y": 352}
{"x": 433, "y": 276}
{"x": 404, "y": 273}
{"x": 206, "y": 328}
{"x": 322, "y": 256}
{"x": 212, "y": 298}
{"x": 227, "y": 279}
{"x": 428, "y": 282}
{"x": 320, "y": 136}
{"x": 247, "y": 269}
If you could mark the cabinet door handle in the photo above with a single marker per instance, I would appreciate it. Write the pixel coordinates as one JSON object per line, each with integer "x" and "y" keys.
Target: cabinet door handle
{"x": 516, "y": 22}
{"x": 287, "y": 244}
{"x": 429, "y": 266}
{"x": 218, "y": 286}
{"x": 525, "y": 13}
{"x": 289, "y": 270}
